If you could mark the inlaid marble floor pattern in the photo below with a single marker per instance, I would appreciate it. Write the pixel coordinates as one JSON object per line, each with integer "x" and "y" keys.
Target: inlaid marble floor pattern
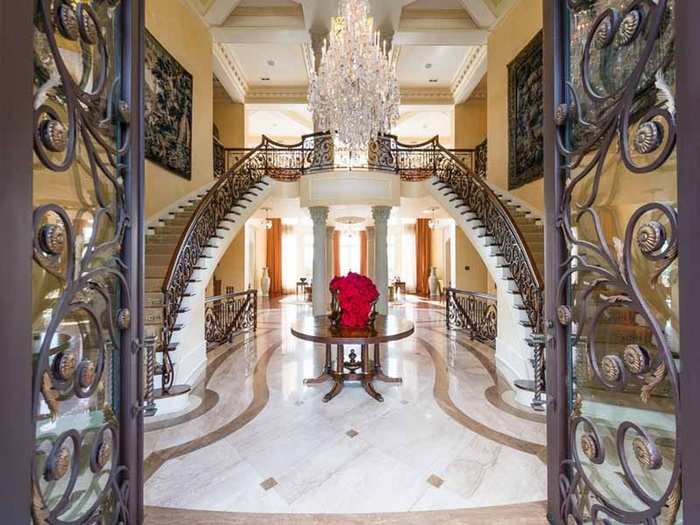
{"x": 260, "y": 441}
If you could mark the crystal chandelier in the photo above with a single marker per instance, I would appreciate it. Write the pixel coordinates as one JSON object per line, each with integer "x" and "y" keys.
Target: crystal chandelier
{"x": 355, "y": 91}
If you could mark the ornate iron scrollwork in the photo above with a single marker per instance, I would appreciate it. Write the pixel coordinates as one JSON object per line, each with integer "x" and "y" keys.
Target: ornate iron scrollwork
{"x": 477, "y": 313}
{"x": 78, "y": 272}
{"x": 625, "y": 56}
{"x": 230, "y": 314}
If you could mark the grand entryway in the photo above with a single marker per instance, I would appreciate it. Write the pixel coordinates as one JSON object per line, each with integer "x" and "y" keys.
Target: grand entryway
{"x": 471, "y": 224}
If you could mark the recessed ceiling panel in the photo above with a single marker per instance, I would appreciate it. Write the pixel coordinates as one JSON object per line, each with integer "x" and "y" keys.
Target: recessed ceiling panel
{"x": 271, "y": 64}
{"x": 430, "y": 66}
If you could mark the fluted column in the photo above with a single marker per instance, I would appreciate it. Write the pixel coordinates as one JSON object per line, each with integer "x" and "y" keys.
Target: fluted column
{"x": 329, "y": 256}
{"x": 370, "y": 252}
{"x": 381, "y": 261}
{"x": 319, "y": 215}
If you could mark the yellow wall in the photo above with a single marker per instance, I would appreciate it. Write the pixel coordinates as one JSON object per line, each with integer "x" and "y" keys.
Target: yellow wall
{"x": 475, "y": 279}
{"x": 470, "y": 123}
{"x": 511, "y": 35}
{"x": 231, "y": 268}
{"x": 229, "y": 118}
{"x": 185, "y": 37}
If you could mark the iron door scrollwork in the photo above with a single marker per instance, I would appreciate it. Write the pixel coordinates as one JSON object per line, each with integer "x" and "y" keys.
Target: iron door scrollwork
{"x": 618, "y": 294}
{"x": 82, "y": 301}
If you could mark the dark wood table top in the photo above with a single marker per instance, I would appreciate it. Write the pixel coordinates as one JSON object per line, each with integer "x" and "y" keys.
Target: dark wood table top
{"x": 318, "y": 330}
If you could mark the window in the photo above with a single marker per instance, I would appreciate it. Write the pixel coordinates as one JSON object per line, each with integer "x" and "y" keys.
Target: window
{"x": 349, "y": 253}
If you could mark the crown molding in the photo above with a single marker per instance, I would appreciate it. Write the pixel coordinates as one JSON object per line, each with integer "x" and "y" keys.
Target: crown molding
{"x": 277, "y": 95}
{"x": 440, "y": 14}
{"x": 469, "y": 74}
{"x": 229, "y": 72}
{"x": 426, "y": 96}
{"x": 280, "y": 10}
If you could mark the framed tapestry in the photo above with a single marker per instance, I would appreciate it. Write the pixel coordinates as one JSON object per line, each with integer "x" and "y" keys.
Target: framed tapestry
{"x": 525, "y": 115}
{"x": 167, "y": 110}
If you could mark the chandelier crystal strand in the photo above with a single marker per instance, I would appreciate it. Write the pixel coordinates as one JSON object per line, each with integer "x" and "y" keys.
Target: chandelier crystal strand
{"x": 355, "y": 90}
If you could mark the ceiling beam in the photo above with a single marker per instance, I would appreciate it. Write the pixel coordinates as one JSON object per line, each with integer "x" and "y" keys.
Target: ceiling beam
{"x": 229, "y": 73}
{"x": 470, "y": 74}
{"x": 480, "y": 12}
{"x": 219, "y": 11}
{"x": 440, "y": 37}
{"x": 260, "y": 35}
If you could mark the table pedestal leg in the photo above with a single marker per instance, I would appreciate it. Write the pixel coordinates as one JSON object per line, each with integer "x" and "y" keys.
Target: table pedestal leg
{"x": 338, "y": 376}
{"x": 379, "y": 373}
{"x": 327, "y": 369}
{"x": 367, "y": 375}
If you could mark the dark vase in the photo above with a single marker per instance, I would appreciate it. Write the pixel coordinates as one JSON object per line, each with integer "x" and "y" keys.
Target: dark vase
{"x": 372, "y": 315}
{"x": 336, "y": 312}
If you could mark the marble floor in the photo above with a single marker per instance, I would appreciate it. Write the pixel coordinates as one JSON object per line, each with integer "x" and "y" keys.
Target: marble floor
{"x": 256, "y": 440}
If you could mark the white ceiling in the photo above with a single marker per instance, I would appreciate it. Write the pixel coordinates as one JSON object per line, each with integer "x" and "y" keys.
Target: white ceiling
{"x": 288, "y": 122}
{"x": 282, "y": 122}
{"x": 289, "y": 68}
{"x": 444, "y": 62}
{"x": 421, "y": 123}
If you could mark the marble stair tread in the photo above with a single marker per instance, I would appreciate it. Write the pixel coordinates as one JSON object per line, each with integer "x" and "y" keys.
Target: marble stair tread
{"x": 153, "y": 299}
{"x": 164, "y": 238}
{"x": 155, "y": 271}
{"x": 160, "y": 248}
{"x": 153, "y": 315}
{"x": 153, "y": 284}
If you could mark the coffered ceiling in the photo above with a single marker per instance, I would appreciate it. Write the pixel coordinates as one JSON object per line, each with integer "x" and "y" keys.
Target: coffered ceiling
{"x": 261, "y": 47}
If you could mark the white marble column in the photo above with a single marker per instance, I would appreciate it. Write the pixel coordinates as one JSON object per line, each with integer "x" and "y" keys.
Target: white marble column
{"x": 319, "y": 214}
{"x": 370, "y": 252}
{"x": 381, "y": 262}
{"x": 329, "y": 256}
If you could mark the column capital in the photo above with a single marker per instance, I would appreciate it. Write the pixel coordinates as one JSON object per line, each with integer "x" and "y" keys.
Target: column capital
{"x": 381, "y": 214}
{"x": 319, "y": 214}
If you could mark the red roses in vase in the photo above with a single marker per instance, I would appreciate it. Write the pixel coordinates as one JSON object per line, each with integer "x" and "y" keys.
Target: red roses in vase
{"x": 356, "y": 296}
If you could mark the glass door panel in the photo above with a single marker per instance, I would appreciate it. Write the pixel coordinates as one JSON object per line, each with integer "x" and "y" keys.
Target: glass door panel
{"x": 618, "y": 217}
{"x": 80, "y": 295}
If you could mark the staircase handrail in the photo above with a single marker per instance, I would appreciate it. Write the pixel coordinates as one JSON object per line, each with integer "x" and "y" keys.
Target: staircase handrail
{"x": 202, "y": 226}
{"x": 516, "y": 252}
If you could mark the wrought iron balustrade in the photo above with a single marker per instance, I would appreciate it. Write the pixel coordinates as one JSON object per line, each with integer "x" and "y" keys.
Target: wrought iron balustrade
{"x": 475, "y": 312}
{"x": 318, "y": 152}
{"x": 235, "y": 188}
{"x": 219, "y": 159}
{"x": 454, "y": 171}
{"x": 230, "y": 314}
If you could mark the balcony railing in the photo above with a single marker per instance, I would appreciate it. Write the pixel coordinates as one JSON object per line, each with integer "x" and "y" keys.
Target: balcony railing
{"x": 230, "y": 314}
{"x": 318, "y": 152}
{"x": 474, "y": 312}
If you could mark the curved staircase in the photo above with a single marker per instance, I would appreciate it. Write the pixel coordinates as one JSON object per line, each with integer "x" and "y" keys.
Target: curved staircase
{"x": 182, "y": 251}
{"x": 186, "y": 245}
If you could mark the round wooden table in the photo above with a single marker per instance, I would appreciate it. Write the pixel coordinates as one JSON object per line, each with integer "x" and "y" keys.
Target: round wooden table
{"x": 318, "y": 330}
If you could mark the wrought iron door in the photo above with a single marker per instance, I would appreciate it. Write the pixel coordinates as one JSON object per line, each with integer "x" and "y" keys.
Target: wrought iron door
{"x": 85, "y": 318}
{"x": 614, "y": 354}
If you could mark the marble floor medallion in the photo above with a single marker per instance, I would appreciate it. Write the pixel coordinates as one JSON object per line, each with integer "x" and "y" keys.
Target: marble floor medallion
{"x": 259, "y": 441}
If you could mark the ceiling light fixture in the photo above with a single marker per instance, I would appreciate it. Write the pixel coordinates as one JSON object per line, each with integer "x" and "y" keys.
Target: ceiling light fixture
{"x": 433, "y": 223}
{"x": 355, "y": 91}
{"x": 268, "y": 221}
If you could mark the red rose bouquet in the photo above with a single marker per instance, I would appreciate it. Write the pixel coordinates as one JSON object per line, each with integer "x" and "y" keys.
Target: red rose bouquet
{"x": 356, "y": 295}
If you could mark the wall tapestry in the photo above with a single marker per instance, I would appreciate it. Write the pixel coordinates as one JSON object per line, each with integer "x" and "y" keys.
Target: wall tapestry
{"x": 525, "y": 116}
{"x": 167, "y": 110}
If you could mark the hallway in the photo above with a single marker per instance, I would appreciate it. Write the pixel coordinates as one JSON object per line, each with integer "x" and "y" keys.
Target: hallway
{"x": 450, "y": 437}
